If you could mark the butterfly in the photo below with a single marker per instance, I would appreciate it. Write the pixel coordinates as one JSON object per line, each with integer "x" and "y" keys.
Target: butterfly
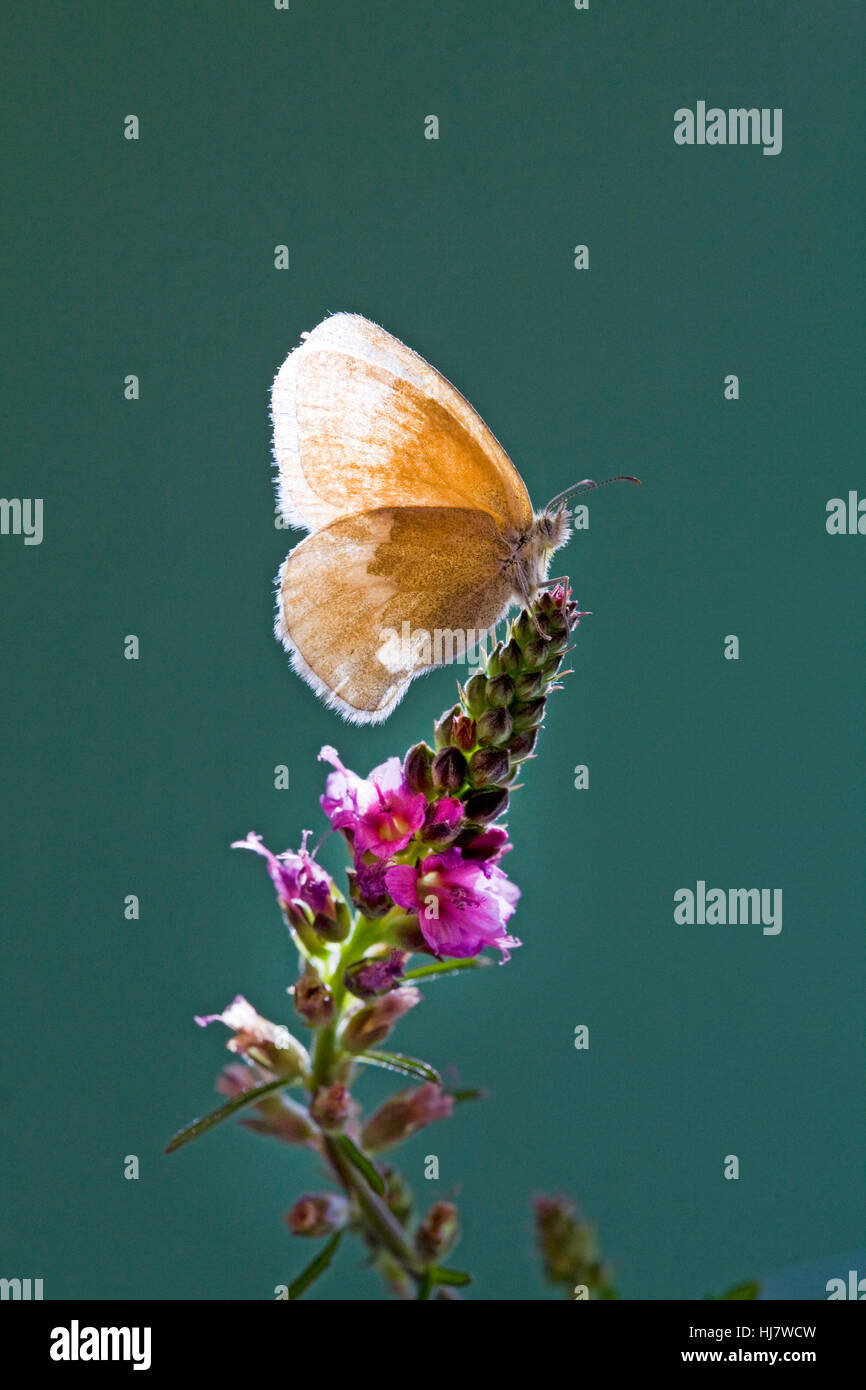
{"x": 416, "y": 515}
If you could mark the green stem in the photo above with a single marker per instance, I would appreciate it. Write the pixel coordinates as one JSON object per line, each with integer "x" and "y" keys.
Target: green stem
{"x": 381, "y": 1221}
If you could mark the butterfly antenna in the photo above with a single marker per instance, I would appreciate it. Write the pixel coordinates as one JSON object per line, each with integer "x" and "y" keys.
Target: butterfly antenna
{"x": 588, "y": 485}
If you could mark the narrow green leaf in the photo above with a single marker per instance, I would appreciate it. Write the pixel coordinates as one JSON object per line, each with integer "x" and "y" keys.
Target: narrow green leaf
{"x": 449, "y": 1276}
{"x": 425, "y": 1288}
{"x": 223, "y": 1112}
{"x": 362, "y": 1163}
{"x": 315, "y": 1267}
{"x": 446, "y": 967}
{"x": 407, "y": 1066}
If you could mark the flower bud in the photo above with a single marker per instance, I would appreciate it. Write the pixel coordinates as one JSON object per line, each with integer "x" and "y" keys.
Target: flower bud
{"x": 536, "y": 653}
{"x": 442, "y": 822}
{"x": 331, "y": 1107}
{"x": 442, "y": 730}
{"x": 449, "y": 770}
{"x": 474, "y": 692}
{"x": 527, "y": 714}
{"x": 512, "y": 658}
{"x": 528, "y": 685}
{"x": 484, "y": 807}
{"x": 437, "y": 1232}
{"x": 488, "y": 765}
{"x": 489, "y": 844}
{"x": 371, "y": 1025}
{"x": 523, "y": 745}
{"x": 405, "y": 933}
{"x": 500, "y": 691}
{"x": 375, "y": 975}
{"x": 335, "y": 925}
{"x": 463, "y": 732}
{"x": 313, "y": 1000}
{"x": 318, "y": 1214}
{"x": 494, "y": 726}
{"x": 523, "y": 629}
{"x": 367, "y": 889}
{"x": 493, "y": 664}
{"x": 416, "y": 769}
{"x": 404, "y": 1113}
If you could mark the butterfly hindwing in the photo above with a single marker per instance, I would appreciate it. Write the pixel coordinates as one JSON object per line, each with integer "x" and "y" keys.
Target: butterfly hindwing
{"x": 346, "y": 592}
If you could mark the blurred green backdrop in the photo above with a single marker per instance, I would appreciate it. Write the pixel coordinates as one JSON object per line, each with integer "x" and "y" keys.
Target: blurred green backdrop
{"x": 155, "y": 257}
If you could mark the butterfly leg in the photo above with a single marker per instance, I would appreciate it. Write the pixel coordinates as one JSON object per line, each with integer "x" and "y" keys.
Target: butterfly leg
{"x": 523, "y": 586}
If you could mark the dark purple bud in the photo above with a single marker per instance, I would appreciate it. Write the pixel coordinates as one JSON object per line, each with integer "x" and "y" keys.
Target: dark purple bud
{"x": 494, "y": 726}
{"x": 442, "y": 822}
{"x": 500, "y": 691}
{"x": 375, "y": 975}
{"x": 523, "y": 745}
{"x": 527, "y": 714}
{"x": 334, "y": 928}
{"x": 536, "y": 653}
{"x": 367, "y": 889}
{"x": 528, "y": 685}
{"x": 449, "y": 770}
{"x": 488, "y": 766}
{"x": 486, "y": 806}
{"x": 416, "y": 769}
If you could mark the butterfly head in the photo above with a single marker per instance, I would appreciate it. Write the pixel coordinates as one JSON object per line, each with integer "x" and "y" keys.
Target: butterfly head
{"x": 550, "y": 530}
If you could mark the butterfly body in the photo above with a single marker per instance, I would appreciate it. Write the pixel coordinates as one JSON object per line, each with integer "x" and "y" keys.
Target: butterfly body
{"x": 415, "y": 515}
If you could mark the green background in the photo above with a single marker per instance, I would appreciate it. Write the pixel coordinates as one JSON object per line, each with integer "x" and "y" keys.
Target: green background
{"x": 305, "y": 127}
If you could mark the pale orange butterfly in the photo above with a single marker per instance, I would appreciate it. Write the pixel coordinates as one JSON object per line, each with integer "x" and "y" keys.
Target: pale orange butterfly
{"x": 416, "y": 515}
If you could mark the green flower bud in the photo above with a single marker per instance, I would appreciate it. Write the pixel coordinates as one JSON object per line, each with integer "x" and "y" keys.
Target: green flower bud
{"x": 474, "y": 692}
{"x": 494, "y": 661}
{"x": 512, "y": 658}
{"x": 442, "y": 730}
